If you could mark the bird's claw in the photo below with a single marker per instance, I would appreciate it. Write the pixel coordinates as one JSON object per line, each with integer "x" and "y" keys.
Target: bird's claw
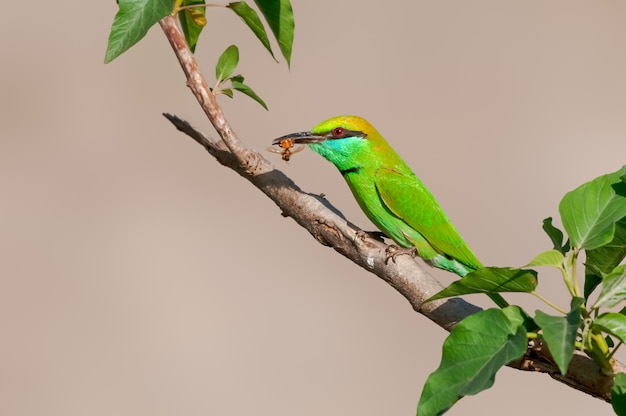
{"x": 393, "y": 251}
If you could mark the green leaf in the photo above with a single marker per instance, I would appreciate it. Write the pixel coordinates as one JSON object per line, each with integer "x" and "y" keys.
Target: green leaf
{"x": 618, "y": 394}
{"x": 552, "y": 258}
{"x": 132, "y": 22}
{"x": 472, "y": 354}
{"x": 189, "y": 22}
{"x": 589, "y": 212}
{"x": 613, "y": 288}
{"x": 560, "y": 332}
{"x": 227, "y": 63}
{"x": 601, "y": 261}
{"x": 556, "y": 236}
{"x": 227, "y": 92}
{"x": 251, "y": 18}
{"x": 491, "y": 280}
{"x": 279, "y": 16}
{"x": 612, "y": 323}
{"x": 243, "y": 88}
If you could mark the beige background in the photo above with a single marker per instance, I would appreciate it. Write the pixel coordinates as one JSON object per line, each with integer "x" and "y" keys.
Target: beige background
{"x": 138, "y": 277}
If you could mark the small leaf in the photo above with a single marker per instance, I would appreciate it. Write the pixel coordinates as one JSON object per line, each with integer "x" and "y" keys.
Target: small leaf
{"x": 227, "y": 63}
{"x": 611, "y": 323}
{"x": 613, "y": 288}
{"x": 251, "y": 18}
{"x": 227, "y": 92}
{"x": 243, "y": 88}
{"x": 192, "y": 21}
{"x": 560, "y": 332}
{"x": 491, "y": 280}
{"x": 279, "y": 16}
{"x": 601, "y": 261}
{"x": 237, "y": 78}
{"x": 589, "y": 212}
{"x": 552, "y": 258}
{"x": 132, "y": 22}
{"x": 556, "y": 236}
{"x": 618, "y": 394}
{"x": 472, "y": 354}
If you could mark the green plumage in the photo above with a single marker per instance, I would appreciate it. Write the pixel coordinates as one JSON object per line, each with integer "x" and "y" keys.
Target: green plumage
{"x": 388, "y": 192}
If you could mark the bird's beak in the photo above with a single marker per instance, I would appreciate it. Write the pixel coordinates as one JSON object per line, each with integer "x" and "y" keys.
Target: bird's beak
{"x": 304, "y": 137}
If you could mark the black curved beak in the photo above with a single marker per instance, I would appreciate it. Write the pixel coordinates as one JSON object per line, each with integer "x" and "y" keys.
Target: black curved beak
{"x": 304, "y": 137}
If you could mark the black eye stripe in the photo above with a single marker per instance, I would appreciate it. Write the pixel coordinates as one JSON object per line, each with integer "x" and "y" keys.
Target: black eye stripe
{"x": 341, "y": 132}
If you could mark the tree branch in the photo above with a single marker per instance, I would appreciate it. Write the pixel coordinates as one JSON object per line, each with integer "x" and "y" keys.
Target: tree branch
{"x": 322, "y": 221}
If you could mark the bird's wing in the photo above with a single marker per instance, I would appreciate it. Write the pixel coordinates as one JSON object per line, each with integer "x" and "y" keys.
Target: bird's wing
{"x": 409, "y": 199}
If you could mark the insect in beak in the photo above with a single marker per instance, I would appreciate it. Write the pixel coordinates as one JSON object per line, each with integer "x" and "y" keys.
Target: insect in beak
{"x": 287, "y": 147}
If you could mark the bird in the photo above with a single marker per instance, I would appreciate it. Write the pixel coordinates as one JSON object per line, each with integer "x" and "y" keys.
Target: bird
{"x": 389, "y": 193}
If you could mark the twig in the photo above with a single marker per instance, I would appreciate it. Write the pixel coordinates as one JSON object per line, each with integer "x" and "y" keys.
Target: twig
{"x": 316, "y": 215}
{"x": 199, "y": 87}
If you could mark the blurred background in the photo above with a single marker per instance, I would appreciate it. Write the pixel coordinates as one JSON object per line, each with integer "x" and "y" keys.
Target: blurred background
{"x": 139, "y": 277}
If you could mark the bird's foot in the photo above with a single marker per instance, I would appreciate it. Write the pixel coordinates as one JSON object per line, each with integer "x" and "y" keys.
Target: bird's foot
{"x": 393, "y": 251}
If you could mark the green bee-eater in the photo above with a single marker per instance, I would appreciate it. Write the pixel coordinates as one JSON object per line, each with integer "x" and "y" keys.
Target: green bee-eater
{"x": 388, "y": 192}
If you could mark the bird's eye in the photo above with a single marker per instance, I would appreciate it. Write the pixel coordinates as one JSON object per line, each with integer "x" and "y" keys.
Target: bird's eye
{"x": 338, "y": 132}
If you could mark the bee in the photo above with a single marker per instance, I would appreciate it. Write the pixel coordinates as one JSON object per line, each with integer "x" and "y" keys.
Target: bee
{"x": 287, "y": 148}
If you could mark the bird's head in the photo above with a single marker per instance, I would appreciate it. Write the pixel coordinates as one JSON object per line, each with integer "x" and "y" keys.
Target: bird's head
{"x": 336, "y": 128}
{"x": 336, "y": 138}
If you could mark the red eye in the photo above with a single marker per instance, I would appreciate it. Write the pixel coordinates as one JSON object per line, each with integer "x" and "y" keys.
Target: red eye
{"x": 338, "y": 132}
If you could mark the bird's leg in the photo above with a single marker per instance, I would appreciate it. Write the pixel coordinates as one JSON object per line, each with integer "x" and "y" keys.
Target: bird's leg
{"x": 393, "y": 251}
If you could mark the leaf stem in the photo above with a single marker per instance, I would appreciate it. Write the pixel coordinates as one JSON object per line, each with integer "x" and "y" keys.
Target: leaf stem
{"x": 177, "y": 7}
{"x": 547, "y": 302}
{"x": 573, "y": 272}
{"x": 566, "y": 279}
{"x": 610, "y": 356}
{"x": 598, "y": 350}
